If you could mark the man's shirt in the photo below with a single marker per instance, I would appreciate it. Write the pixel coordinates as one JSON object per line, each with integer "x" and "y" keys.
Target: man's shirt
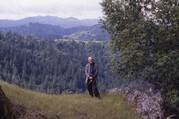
{"x": 91, "y": 70}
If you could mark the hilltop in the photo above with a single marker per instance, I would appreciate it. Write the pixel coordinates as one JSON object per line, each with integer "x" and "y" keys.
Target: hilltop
{"x": 51, "y": 20}
{"x": 52, "y": 27}
{"x": 77, "y": 106}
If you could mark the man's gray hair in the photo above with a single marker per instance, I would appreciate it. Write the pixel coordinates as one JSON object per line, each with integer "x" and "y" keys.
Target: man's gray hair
{"x": 90, "y": 58}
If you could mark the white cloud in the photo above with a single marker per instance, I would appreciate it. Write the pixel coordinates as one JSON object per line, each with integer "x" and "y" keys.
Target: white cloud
{"x": 15, "y": 9}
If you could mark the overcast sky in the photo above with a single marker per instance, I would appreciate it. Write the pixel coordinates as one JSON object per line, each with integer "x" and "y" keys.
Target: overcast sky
{"x": 82, "y": 9}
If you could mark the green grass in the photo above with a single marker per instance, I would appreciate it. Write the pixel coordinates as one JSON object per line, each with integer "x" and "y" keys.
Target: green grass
{"x": 76, "y": 106}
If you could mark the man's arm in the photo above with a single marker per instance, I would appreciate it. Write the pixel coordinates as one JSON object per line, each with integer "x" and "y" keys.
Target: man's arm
{"x": 96, "y": 71}
{"x": 86, "y": 71}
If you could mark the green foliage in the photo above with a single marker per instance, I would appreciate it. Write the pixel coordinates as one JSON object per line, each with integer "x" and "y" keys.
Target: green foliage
{"x": 51, "y": 66}
{"x": 146, "y": 33}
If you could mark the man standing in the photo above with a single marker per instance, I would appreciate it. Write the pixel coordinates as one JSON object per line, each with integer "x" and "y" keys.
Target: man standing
{"x": 91, "y": 73}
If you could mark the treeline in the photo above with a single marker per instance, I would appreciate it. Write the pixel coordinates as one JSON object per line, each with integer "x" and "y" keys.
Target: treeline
{"x": 52, "y": 66}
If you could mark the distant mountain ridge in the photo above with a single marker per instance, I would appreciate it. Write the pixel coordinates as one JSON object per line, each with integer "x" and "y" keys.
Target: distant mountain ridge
{"x": 50, "y": 27}
{"x": 52, "y": 20}
{"x": 49, "y": 32}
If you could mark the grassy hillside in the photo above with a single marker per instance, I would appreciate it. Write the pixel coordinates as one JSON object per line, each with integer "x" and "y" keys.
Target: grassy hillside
{"x": 77, "y": 106}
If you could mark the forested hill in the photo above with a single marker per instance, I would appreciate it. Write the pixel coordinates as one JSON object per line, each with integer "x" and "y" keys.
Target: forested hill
{"x": 51, "y": 20}
{"x": 52, "y": 66}
{"x": 51, "y": 27}
{"x": 50, "y": 32}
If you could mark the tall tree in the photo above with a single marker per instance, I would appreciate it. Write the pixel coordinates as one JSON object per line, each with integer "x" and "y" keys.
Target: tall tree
{"x": 146, "y": 33}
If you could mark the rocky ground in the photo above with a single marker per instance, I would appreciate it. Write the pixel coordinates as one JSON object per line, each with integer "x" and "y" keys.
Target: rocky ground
{"x": 147, "y": 100}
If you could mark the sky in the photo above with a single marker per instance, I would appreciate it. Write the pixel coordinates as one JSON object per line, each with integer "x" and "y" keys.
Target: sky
{"x": 82, "y": 9}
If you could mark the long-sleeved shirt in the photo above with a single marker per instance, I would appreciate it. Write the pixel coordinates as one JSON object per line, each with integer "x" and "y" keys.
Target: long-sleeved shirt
{"x": 91, "y": 70}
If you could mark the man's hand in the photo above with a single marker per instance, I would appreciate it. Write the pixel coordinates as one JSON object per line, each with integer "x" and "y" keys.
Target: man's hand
{"x": 91, "y": 77}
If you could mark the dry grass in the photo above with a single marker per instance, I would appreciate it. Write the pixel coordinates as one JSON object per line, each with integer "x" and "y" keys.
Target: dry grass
{"x": 76, "y": 106}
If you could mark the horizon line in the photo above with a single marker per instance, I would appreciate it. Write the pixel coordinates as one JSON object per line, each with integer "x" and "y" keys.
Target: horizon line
{"x": 50, "y": 16}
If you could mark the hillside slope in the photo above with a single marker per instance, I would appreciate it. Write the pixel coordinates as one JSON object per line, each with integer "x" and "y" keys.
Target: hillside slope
{"x": 77, "y": 106}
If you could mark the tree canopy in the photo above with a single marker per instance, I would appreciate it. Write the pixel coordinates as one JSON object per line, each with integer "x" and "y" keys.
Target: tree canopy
{"x": 146, "y": 33}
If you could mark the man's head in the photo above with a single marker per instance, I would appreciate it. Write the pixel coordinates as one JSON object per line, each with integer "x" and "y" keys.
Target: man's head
{"x": 90, "y": 60}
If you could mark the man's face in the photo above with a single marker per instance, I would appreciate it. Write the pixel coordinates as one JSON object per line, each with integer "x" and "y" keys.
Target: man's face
{"x": 90, "y": 60}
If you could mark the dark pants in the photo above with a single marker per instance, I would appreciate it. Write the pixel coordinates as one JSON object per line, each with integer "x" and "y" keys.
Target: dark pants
{"x": 92, "y": 88}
